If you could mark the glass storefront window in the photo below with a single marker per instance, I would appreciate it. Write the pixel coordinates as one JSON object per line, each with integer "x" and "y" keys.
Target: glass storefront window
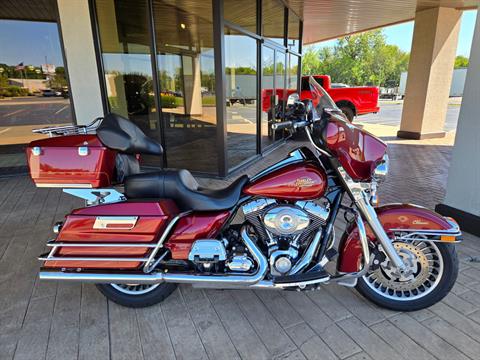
{"x": 273, "y": 21}
{"x": 293, "y": 38}
{"x": 185, "y": 58}
{"x": 125, "y": 44}
{"x": 241, "y": 96}
{"x": 242, "y": 13}
{"x": 186, "y": 120}
{"x": 268, "y": 96}
{"x": 292, "y": 73}
{"x": 34, "y": 90}
{"x": 280, "y": 67}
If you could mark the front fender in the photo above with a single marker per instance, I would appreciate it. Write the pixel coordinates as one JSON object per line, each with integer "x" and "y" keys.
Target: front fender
{"x": 395, "y": 217}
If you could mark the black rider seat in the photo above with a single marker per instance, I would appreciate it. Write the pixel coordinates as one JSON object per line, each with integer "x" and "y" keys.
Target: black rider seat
{"x": 181, "y": 186}
{"x": 118, "y": 133}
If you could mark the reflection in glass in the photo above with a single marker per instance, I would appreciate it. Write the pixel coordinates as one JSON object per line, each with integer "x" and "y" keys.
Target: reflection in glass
{"x": 241, "y": 96}
{"x": 268, "y": 96}
{"x": 293, "y": 38}
{"x": 273, "y": 21}
{"x": 125, "y": 43}
{"x": 184, "y": 36}
{"x": 242, "y": 13}
{"x": 292, "y": 73}
{"x": 280, "y": 66}
{"x": 31, "y": 64}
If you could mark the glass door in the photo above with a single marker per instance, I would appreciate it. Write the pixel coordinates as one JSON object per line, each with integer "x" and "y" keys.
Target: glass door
{"x": 274, "y": 93}
{"x": 186, "y": 76}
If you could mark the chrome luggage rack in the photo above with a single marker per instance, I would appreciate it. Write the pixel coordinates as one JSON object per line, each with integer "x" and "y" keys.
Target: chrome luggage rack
{"x": 70, "y": 129}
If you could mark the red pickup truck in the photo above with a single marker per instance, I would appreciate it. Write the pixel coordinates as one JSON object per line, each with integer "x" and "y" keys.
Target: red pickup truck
{"x": 352, "y": 101}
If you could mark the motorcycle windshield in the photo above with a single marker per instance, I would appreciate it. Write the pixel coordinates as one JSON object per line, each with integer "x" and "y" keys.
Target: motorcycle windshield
{"x": 321, "y": 100}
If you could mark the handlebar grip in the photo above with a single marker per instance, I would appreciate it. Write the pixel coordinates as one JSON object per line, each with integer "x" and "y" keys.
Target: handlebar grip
{"x": 282, "y": 125}
{"x": 300, "y": 124}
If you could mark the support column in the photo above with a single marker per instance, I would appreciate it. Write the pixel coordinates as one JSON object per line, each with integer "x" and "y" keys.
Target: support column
{"x": 430, "y": 71}
{"x": 462, "y": 201}
{"x": 79, "y": 51}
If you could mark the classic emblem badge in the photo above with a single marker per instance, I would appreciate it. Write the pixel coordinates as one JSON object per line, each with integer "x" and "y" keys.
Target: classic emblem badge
{"x": 420, "y": 222}
{"x": 304, "y": 182}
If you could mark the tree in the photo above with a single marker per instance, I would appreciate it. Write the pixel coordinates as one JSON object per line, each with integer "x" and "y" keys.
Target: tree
{"x": 360, "y": 59}
{"x": 59, "y": 80}
{"x": 461, "y": 62}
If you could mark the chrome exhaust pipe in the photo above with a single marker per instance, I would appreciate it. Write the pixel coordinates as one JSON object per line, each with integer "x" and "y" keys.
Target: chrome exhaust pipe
{"x": 154, "y": 278}
{"x": 101, "y": 278}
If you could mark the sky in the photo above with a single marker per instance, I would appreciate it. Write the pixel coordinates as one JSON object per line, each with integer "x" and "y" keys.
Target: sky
{"x": 401, "y": 35}
{"x": 30, "y": 42}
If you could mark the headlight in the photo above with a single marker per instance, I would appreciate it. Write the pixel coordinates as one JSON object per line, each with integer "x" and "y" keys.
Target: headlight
{"x": 381, "y": 171}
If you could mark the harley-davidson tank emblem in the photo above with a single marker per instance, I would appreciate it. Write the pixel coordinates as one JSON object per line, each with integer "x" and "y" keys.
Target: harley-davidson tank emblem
{"x": 303, "y": 182}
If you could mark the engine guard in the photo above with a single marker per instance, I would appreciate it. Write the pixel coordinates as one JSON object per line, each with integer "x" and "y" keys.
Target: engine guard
{"x": 410, "y": 220}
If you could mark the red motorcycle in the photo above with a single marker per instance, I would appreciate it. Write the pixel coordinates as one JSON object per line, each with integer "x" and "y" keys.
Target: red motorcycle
{"x": 272, "y": 231}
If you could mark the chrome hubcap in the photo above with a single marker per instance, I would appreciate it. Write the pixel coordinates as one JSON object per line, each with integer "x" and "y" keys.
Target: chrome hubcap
{"x": 424, "y": 270}
{"x": 135, "y": 289}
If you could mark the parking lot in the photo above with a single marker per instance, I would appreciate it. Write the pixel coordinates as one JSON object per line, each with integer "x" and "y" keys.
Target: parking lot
{"x": 391, "y": 114}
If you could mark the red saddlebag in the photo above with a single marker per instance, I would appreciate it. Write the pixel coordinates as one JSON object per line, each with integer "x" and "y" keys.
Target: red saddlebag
{"x": 109, "y": 236}
{"x": 79, "y": 161}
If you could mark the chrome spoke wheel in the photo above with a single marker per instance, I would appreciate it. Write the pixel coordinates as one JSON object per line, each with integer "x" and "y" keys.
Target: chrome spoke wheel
{"x": 424, "y": 271}
{"x": 134, "y": 289}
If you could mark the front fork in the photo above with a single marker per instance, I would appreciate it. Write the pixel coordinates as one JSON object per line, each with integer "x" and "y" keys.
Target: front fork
{"x": 358, "y": 192}
{"x": 370, "y": 216}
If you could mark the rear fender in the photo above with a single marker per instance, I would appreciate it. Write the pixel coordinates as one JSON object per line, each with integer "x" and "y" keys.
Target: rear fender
{"x": 407, "y": 219}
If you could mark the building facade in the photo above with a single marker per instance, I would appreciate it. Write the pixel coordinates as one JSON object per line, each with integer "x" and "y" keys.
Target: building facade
{"x": 203, "y": 78}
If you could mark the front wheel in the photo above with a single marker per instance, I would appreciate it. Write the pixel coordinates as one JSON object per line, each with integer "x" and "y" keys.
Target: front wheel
{"x": 432, "y": 270}
{"x": 348, "y": 111}
{"x": 137, "y": 295}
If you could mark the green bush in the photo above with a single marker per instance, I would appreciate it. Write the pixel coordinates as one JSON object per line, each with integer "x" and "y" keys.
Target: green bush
{"x": 208, "y": 100}
{"x": 13, "y": 91}
{"x": 170, "y": 101}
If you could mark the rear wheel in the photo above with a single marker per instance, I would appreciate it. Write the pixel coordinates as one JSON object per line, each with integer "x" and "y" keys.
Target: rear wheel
{"x": 432, "y": 269}
{"x": 137, "y": 295}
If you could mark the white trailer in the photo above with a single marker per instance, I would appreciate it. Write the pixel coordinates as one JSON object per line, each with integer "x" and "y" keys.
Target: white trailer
{"x": 456, "y": 89}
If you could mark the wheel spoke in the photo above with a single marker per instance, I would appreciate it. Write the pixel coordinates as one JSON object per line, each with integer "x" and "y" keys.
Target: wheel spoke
{"x": 425, "y": 268}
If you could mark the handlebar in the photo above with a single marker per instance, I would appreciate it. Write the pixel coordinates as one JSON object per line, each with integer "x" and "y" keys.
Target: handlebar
{"x": 282, "y": 125}
{"x": 290, "y": 125}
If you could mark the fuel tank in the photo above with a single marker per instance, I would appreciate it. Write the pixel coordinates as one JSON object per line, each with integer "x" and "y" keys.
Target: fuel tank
{"x": 300, "y": 181}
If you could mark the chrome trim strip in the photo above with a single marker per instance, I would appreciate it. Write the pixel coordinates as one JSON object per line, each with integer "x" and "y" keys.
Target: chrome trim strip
{"x": 102, "y": 278}
{"x": 452, "y": 232}
{"x": 59, "y": 185}
{"x": 56, "y": 258}
{"x": 120, "y": 222}
{"x": 71, "y": 244}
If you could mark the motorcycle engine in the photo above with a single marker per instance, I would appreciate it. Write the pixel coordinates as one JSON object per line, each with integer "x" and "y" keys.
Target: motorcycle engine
{"x": 285, "y": 228}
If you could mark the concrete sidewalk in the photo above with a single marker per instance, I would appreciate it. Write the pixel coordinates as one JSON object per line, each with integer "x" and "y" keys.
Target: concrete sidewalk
{"x": 72, "y": 321}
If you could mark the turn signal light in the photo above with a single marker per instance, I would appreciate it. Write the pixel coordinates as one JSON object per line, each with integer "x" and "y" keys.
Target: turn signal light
{"x": 447, "y": 238}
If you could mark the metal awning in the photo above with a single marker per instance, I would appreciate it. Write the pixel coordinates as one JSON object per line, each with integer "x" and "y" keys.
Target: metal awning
{"x": 328, "y": 19}
{"x": 33, "y": 10}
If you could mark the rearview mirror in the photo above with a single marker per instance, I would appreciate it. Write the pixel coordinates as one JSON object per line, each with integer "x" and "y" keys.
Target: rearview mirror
{"x": 292, "y": 99}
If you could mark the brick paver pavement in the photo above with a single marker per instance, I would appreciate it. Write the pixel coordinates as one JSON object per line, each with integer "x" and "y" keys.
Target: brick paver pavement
{"x": 69, "y": 321}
